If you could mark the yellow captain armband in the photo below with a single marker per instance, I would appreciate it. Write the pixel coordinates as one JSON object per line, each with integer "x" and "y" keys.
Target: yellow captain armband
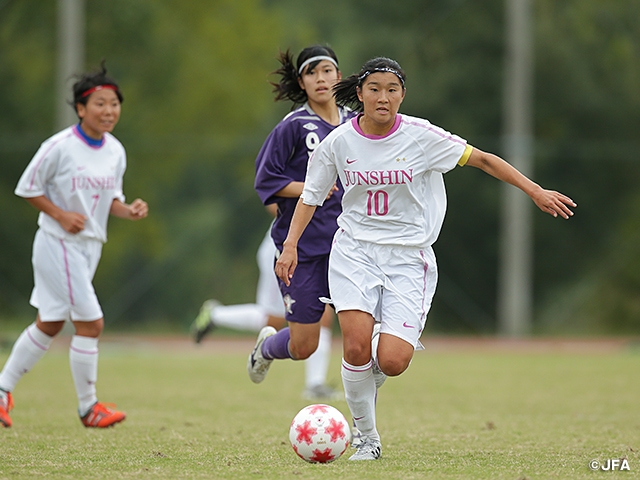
{"x": 465, "y": 156}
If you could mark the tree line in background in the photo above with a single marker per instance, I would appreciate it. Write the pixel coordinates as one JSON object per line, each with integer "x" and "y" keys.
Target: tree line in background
{"x": 198, "y": 106}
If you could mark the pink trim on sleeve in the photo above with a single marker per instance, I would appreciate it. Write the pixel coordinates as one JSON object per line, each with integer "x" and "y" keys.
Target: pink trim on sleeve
{"x": 438, "y": 131}
{"x": 44, "y": 155}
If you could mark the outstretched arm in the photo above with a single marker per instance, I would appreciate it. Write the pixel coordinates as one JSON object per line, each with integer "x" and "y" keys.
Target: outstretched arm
{"x": 288, "y": 259}
{"x": 549, "y": 201}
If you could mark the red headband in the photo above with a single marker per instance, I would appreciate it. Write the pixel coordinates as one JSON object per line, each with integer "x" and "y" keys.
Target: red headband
{"x": 98, "y": 87}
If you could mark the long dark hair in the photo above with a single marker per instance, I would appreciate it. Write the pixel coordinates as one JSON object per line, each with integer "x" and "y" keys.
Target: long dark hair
{"x": 87, "y": 81}
{"x": 346, "y": 91}
{"x": 288, "y": 87}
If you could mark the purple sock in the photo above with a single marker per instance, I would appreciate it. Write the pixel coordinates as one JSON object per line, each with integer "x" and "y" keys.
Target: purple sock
{"x": 277, "y": 346}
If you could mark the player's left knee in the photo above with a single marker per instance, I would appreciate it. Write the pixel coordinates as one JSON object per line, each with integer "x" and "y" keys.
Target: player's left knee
{"x": 393, "y": 367}
{"x": 91, "y": 329}
{"x": 302, "y": 352}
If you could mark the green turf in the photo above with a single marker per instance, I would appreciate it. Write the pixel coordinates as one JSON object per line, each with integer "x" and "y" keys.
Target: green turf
{"x": 452, "y": 415}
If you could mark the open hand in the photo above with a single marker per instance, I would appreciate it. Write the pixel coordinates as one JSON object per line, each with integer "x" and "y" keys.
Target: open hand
{"x": 554, "y": 203}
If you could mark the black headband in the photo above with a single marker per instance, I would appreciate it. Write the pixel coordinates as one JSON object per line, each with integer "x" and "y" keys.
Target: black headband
{"x": 380, "y": 69}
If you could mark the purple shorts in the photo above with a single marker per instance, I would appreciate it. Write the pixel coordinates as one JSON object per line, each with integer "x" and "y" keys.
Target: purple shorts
{"x": 309, "y": 281}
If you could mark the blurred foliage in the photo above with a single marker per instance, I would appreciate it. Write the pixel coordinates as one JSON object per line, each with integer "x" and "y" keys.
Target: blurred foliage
{"x": 198, "y": 106}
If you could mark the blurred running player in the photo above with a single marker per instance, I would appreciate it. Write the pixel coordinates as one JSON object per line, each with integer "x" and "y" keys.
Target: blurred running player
{"x": 75, "y": 181}
{"x": 280, "y": 170}
{"x": 382, "y": 270}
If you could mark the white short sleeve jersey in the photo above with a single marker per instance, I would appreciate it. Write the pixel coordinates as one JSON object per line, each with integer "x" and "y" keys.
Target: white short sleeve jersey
{"x": 78, "y": 178}
{"x": 394, "y": 192}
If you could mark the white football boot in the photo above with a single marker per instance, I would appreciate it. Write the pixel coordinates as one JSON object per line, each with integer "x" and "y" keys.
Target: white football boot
{"x": 367, "y": 450}
{"x": 257, "y": 365}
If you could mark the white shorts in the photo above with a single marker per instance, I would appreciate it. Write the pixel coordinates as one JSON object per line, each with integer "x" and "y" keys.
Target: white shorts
{"x": 394, "y": 284}
{"x": 63, "y": 272}
{"x": 268, "y": 294}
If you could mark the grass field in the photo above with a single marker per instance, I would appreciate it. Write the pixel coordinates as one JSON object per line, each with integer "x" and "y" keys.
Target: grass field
{"x": 461, "y": 411}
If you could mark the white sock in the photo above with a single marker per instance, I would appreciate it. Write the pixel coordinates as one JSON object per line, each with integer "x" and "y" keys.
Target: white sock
{"x": 360, "y": 393}
{"x": 30, "y": 347}
{"x": 83, "y": 357}
{"x": 249, "y": 316}
{"x": 317, "y": 365}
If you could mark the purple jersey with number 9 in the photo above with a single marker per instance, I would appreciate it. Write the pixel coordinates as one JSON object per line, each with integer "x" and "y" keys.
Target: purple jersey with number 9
{"x": 283, "y": 159}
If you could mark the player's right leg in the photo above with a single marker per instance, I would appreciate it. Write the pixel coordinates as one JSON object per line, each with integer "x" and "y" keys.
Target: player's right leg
{"x": 356, "y": 303}
{"x": 6, "y": 404}
{"x": 357, "y": 373}
{"x": 359, "y": 383}
{"x": 50, "y": 297}
{"x": 378, "y": 376}
{"x": 30, "y": 347}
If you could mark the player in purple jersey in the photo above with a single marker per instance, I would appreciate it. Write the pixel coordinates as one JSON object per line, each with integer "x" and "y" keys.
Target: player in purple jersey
{"x": 382, "y": 270}
{"x": 269, "y": 310}
{"x": 280, "y": 171}
{"x": 75, "y": 181}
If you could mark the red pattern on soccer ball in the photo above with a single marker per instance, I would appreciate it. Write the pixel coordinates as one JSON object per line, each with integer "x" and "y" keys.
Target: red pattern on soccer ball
{"x": 305, "y": 432}
{"x": 313, "y": 409}
{"x": 322, "y": 456}
{"x": 335, "y": 429}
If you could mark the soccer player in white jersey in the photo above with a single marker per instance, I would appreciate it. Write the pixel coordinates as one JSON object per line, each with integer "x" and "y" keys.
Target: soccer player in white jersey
{"x": 75, "y": 181}
{"x": 382, "y": 268}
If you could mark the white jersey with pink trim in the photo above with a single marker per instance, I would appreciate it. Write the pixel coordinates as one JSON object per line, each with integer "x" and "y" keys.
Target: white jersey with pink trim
{"x": 76, "y": 177}
{"x": 394, "y": 191}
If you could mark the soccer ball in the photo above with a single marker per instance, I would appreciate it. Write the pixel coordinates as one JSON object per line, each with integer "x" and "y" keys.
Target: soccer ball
{"x": 319, "y": 434}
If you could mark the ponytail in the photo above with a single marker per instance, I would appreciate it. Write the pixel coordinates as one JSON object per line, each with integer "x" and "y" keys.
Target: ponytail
{"x": 288, "y": 88}
{"x": 346, "y": 93}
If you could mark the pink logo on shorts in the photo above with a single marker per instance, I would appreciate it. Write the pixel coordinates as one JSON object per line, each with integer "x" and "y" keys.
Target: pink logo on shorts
{"x": 406, "y": 325}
